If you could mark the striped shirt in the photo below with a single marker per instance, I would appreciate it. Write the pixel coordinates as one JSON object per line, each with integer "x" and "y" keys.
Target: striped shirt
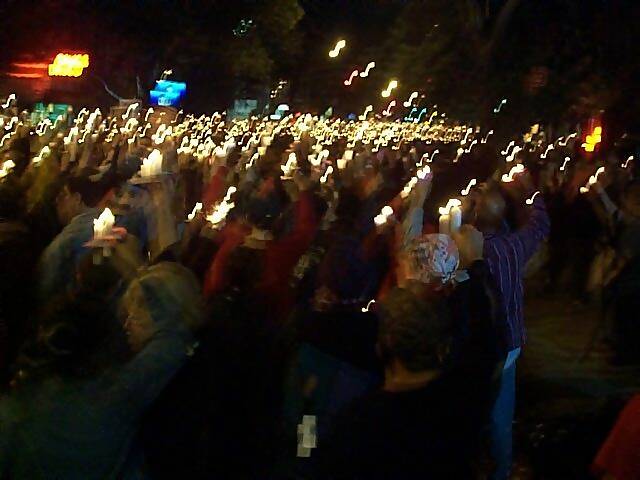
{"x": 507, "y": 255}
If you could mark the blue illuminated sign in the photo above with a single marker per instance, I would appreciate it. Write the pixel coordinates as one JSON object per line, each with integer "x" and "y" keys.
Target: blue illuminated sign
{"x": 168, "y": 93}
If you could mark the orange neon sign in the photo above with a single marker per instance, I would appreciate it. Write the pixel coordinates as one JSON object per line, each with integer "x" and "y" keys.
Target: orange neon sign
{"x": 68, "y": 65}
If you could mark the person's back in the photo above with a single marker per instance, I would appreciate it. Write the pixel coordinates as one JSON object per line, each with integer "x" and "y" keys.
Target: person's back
{"x": 74, "y": 413}
{"x": 65, "y": 429}
{"x": 425, "y": 422}
{"x": 424, "y": 433}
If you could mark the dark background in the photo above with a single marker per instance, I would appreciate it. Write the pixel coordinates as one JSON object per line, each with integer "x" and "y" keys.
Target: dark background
{"x": 553, "y": 59}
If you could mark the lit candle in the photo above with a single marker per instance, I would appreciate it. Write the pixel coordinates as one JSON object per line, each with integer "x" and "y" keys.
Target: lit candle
{"x": 508, "y": 177}
{"x": 529, "y": 201}
{"x": 592, "y": 180}
{"x": 6, "y": 168}
{"x": 466, "y": 191}
{"x": 103, "y": 225}
{"x": 152, "y": 165}
{"x": 197, "y": 208}
{"x": 291, "y": 165}
{"x": 450, "y": 219}
{"x": 384, "y": 215}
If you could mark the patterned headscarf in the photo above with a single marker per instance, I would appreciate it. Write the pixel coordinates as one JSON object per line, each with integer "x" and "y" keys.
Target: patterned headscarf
{"x": 432, "y": 258}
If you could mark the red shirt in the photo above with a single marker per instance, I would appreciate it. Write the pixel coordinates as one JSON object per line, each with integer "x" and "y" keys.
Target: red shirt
{"x": 620, "y": 454}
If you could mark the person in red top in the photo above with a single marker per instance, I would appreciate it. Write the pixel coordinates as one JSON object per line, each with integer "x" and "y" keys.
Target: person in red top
{"x": 619, "y": 456}
{"x": 275, "y": 258}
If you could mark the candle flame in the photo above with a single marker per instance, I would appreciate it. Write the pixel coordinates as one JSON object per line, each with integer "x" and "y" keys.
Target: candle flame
{"x": 466, "y": 190}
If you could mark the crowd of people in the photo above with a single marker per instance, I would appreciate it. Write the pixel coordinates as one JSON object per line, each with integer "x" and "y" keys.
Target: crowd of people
{"x": 284, "y": 298}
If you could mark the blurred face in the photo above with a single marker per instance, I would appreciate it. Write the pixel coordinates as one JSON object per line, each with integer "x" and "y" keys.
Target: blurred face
{"x": 138, "y": 323}
{"x": 67, "y": 205}
{"x": 489, "y": 209}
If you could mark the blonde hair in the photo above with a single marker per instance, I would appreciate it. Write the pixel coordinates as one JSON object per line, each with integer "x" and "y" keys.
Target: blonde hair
{"x": 172, "y": 294}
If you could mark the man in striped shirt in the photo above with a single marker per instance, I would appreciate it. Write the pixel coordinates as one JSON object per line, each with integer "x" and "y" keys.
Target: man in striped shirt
{"x": 507, "y": 252}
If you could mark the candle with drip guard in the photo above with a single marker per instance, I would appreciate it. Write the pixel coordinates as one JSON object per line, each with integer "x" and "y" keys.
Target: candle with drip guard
{"x": 103, "y": 225}
{"x": 152, "y": 165}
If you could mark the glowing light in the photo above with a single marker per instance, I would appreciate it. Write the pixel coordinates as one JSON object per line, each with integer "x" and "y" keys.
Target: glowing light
{"x": 514, "y": 152}
{"x": 44, "y": 152}
{"x": 370, "y": 66}
{"x": 509, "y": 177}
{"x": 11, "y": 123}
{"x": 468, "y": 150}
{"x": 366, "y": 309}
{"x": 5, "y": 138}
{"x": 152, "y": 165}
{"x": 453, "y": 202}
{"x": 130, "y": 109}
{"x": 466, "y": 191}
{"x": 292, "y": 164}
{"x": 500, "y": 105}
{"x": 336, "y": 50}
{"x": 351, "y": 77}
{"x": 433, "y": 155}
{"x": 6, "y": 168}
{"x": 410, "y": 100}
{"x": 8, "y": 102}
{"x": 367, "y": 110}
{"x": 546, "y": 152}
{"x": 592, "y": 180}
{"x": 68, "y": 65}
{"x": 564, "y": 164}
{"x": 626, "y": 164}
{"x": 387, "y": 91}
{"x": 486, "y": 138}
{"x": 325, "y": 176}
{"x": 592, "y": 141}
{"x": 529, "y": 201}
{"x": 564, "y": 143}
{"x": 506, "y": 150}
{"x": 103, "y": 225}
{"x": 221, "y": 210}
{"x": 387, "y": 112}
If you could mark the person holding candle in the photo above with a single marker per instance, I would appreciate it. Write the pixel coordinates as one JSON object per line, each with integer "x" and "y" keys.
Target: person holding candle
{"x": 439, "y": 352}
{"x": 507, "y": 253}
{"x": 75, "y": 392}
{"x": 77, "y": 206}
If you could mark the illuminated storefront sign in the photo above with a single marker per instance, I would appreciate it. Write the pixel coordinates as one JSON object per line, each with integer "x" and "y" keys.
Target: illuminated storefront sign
{"x": 68, "y": 65}
{"x": 167, "y": 93}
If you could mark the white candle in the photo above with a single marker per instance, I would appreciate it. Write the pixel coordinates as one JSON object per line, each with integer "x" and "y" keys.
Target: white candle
{"x": 455, "y": 220}
{"x": 450, "y": 217}
{"x": 152, "y": 165}
{"x": 103, "y": 224}
{"x": 444, "y": 224}
{"x": 348, "y": 155}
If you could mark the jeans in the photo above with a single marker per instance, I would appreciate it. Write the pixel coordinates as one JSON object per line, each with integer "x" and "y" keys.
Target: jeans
{"x": 502, "y": 419}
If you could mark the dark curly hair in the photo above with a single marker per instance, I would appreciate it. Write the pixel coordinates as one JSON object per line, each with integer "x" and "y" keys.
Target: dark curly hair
{"x": 415, "y": 331}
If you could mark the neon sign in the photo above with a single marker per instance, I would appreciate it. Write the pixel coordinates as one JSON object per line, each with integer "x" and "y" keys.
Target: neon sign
{"x": 168, "y": 93}
{"x": 68, "y": 65}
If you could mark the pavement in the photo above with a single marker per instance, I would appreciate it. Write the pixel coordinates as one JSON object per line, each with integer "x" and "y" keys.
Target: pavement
{"x": 569, "y": 392}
